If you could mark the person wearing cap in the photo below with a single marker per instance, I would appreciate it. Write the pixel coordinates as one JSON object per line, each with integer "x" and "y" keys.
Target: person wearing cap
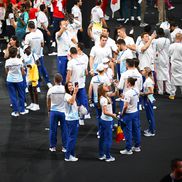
{"x": 98, "y": 53}
{"x": 105, "y": 123}
{"x": 93, "y": 88}
{"x": 30, "y": 62}
{"x": 124, "y": 53}
{"x": 76, "y": 71}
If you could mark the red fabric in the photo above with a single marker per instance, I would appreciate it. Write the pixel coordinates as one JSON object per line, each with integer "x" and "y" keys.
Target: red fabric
{"x": 32, "y": 13}
{"x": 104, "y": 5}
{"x": 114, "y": 1}
{"x": 56, "y": 12}
{"x": 12, "y": 1}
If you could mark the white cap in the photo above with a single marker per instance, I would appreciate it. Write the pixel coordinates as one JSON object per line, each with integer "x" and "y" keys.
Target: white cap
{"x": 105, "y": 60}
{"x": 100, "y": 67}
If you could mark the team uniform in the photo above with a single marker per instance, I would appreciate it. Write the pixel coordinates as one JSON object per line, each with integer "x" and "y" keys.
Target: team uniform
{"x": 99, "y": 53}
{"x": 15, "y": 84}
{"x": 57, "y": 113}
{"x": 148, "y": 104}
{"x": 106, "y": 123}
{"x": 64, "y": 44}
{"x": 72, "y": 121}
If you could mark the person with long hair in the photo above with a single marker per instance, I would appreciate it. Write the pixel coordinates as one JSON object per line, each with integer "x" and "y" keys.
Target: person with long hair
{"x": 148, "y": 101}
{"x": 15, "y": 85}
{"x": 130, "y": 117}
{"x": 72, "y": 120}
{"x": 106, "y": 123}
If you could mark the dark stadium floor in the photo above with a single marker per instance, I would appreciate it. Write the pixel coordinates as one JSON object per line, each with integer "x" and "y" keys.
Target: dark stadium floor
{"x": 24, "y": 155}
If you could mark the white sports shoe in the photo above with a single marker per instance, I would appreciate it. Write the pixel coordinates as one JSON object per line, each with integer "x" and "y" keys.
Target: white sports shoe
{"x": 35, "y": 107}
{"x": 88, "y": 116}
{"x": 136, "y": 149}
{"x": 143, "y": 24}
{"x": 53, "y": 44}
{"x": 52, "y": 54}
{"x": 120, "y": 19}
{"x": 63, "y": 149}
{"x": 139, "y": 18}
{"x": 15, "y": 114}
{"x": 30, "y": 106}
{"x": 71, "y": 159}
{"x": 102, "y": 158}
{"x": 126, "y": 152}
{"x": 52, "y": 149}
{"x": 26, "y": 90}
{"x": 149, "y": 134}
{"x": 81, "y": 122}
{"x": 111, "y": 159}
{"x": 106, "y": 17}
{"x": 24, "y": 112}
{"x": 49, "y": 85}
{"x": 132, "y": 18}
{"x": 38, "y": 89}
{"x": 127, "y": 19}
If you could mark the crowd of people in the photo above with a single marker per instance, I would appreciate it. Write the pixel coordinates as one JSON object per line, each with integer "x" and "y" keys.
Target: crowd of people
{"x": 122, "y": 71}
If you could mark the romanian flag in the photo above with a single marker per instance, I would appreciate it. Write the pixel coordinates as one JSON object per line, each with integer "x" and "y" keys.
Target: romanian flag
{"x": 119, "y": 134}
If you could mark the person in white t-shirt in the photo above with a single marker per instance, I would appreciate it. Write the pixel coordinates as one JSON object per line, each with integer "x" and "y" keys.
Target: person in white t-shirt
{"x": 97, "y": 19}
{"x": 106, "y": 123}
{"x": 64, "y": 41}
{"x": 124, "y": 53}
{"x": 131, "y": 72}
{"x": 148, "y": 90}
{"x": 56, "y": 110}
{"x": 15, "y": 85}
{"x": 99, "y": 52}
{"x": 121, "y": 31}
{"x": 146, "y": 51}
{"x": 42, "y": 24}
{"x": 76, "y": 72}
{"x": 130, "y": 117}
{"x": 72, "y": 120}
{"x": 35, "y": 40}
{"x": 76, "y": 11}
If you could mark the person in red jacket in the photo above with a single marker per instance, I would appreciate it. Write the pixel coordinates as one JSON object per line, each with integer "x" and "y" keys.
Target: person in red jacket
{"x": 58, "y": 15}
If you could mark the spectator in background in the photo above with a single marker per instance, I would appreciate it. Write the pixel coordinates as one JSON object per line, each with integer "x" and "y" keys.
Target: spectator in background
{"x": 138, "y": 5}
{"x": 123, "y": 11}
{"x": 22, "y": 21}
{"x": 176, "y": 172}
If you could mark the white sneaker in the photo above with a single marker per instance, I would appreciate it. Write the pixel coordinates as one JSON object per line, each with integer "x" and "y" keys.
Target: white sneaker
{"x": 63, "y": 149}
{"x": 111, "y": 159}
{"x": 127, "y": 19}
{"x": 139, "y": 18}
{"x": 126, "y": 152}
{"x": 81, "y": 122}
{"x": 26, "y": 90}
{"x": 102, "y": 158}
{"x": 88, "y": 116}
{"x": 52, "y": 149}
{"x": 106, "y": 17}
{"x": 53, "y": 44}
{"x": 118, "y": 99}
{"x": 38, "y": 89}
{"x": 24, "y": 112}
{"x": 52, "y": 54}
{"x": 143, "y": 24}
{"x": 59, "y": 123}
{"x": 49, "y": 85}
{"x": 136, "y": 149}
{"x": 140, "y": 107}
{"x": 154, "y": 107}
{"x": 172, "y": 7}
{"x": 35, "y": 107}
{"x": 15, "y": 114}
{"x": 25, "y": 104}
{"x": 71, "y": 159}
{"x": 30, "y": 106}
{"x": 132, "y": 18}
{"x": 120, "y": 19}
{"x": 146, "y": 131}
{"x": 149, "y": 134}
